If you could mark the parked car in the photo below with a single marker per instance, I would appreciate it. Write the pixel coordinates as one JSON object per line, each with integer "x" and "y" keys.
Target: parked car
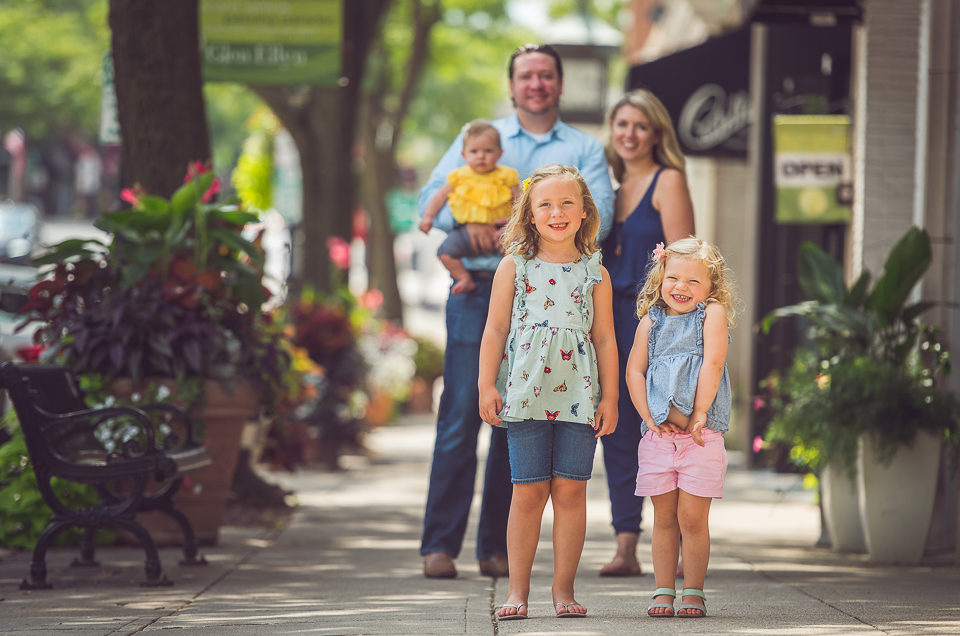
{"x": 19, "y": 231}
{"x": 15, "y": 281}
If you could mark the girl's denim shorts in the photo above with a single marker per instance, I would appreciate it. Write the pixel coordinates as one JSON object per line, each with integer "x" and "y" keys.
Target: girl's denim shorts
{"x": 541, "y": 450}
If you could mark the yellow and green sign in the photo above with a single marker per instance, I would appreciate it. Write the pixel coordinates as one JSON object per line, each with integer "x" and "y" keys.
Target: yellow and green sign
{"x": 812, "y": 168}
{"x": 271, "y": 41}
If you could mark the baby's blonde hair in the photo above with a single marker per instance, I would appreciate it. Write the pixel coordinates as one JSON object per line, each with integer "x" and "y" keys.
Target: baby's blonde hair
{"x": 479, "y": 127}
{"x": 722, "y": 289}
{"x": 520, "y": 236}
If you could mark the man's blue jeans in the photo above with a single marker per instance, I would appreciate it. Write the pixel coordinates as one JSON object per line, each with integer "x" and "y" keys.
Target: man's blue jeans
{"x": 454, "y": 469}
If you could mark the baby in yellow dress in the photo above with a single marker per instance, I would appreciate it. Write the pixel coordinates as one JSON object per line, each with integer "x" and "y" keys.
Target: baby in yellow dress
{"x": 479, "y": 192}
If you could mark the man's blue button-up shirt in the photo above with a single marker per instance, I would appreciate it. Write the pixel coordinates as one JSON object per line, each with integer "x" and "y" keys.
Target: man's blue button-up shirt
{"x": 564, "y": 144}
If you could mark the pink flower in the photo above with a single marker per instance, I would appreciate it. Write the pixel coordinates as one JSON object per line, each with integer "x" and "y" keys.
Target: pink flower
{"x": 658, "y": 252}
{"x": 757, "y": 444}
{"x": 195, "y": 169}
{"x": 130, "y": 196}
{"x": 339, "y": 252}
{"x": 758, "y": 403}
{"x": 212, "y": 190}
{"x": 371, "y": 299}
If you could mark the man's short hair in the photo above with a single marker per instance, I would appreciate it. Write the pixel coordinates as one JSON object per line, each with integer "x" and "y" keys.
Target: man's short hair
{"x": 546, "y": 49}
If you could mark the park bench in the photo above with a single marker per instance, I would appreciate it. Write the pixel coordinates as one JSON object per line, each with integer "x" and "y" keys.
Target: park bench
{"x": 157, "y": 448}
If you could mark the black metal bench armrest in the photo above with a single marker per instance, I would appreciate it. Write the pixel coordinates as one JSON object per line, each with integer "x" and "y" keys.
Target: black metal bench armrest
{"x": 181, "y": 415}
{"x": 100, "y": 415}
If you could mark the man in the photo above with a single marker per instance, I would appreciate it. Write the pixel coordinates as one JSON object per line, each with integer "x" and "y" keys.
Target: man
{"x": 534, "y": 136}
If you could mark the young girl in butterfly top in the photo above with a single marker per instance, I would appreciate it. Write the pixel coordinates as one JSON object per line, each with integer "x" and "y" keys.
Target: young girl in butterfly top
{"x": 678, "y": 381}
{"x": 548, "y": 371}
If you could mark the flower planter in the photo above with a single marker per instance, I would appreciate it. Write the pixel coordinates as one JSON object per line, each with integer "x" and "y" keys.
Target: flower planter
{"x": 841, "y": 509}
{"x": 896, "y": 498}
{"x": 221, "y": 421}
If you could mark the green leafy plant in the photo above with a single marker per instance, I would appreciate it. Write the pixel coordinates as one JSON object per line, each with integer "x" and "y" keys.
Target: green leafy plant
{"x": 23, "y": 513}
{"x": 428, "y": 359}
{"x": 175, "y": 292}
{"x": 869, "y": 364}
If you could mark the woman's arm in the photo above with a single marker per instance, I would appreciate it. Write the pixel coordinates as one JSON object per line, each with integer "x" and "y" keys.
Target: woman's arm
{"x": 494, "y": 340}
{"x": 715, "y": 344}
{"x": 605, "y": 344}
{"x": 672, "y": 198}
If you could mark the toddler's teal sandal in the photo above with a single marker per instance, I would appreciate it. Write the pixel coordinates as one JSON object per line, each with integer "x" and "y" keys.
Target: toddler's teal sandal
{"x": 662, "y": 591}
{"x": 697, "y": 611}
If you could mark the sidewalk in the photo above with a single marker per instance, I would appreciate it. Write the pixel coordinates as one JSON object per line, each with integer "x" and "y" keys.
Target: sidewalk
{"x": 348, "y": 563}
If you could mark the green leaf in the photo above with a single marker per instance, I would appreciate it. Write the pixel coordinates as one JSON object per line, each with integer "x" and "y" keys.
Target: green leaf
{"x": 236, "y": 242}
{"x": 235, "y": 217}
{"x": 858, "y": 293}
{"x": 904, "y": 268}
{"x": 819, "y": 275}
{"x": 71, "y": 249}
{"x": 186, "y": 198}
{"x": 912, "y": 312}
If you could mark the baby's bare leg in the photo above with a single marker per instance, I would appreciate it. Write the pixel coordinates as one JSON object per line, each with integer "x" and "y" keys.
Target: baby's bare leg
{"x": 460, "y": 274}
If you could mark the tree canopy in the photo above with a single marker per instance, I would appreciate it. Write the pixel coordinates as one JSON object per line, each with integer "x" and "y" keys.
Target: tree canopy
{"x": 50, "y": 77}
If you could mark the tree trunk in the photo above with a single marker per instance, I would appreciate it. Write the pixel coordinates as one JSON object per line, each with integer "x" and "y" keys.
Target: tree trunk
{"x": 322, "y": 121}
{"x": 163, "y": 122}
{"x": 381, "y": 134}
{"x": 379, "y": 177}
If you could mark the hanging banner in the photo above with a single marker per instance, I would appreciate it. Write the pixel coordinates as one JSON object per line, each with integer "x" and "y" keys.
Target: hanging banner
{"x": 812, "y": 172}
{"x": 275, "y": 42}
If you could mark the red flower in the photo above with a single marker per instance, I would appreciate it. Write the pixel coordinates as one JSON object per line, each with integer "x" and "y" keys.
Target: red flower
{"x": 214, "y": 189}
{"x": 130, "y": 196}
{"x": 30, "y": 353}
{"x": 339, "y": 252}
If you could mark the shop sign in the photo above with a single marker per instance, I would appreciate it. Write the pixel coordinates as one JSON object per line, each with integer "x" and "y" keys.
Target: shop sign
{"x": 812, "y": 171}
{"x": 271, "y": 42}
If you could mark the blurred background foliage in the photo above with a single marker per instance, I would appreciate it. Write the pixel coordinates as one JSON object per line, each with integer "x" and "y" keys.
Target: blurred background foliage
{"x": 50, "y": 77}
{"x": 55, "y": 88}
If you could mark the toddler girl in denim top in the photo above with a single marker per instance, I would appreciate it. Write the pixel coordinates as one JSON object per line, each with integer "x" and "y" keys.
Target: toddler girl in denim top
{"x": 678, "y": 381}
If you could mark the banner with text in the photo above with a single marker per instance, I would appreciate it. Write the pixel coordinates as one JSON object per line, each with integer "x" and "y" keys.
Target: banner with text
{"x": 812, "y": 172}
{"x": 271, "y": 42}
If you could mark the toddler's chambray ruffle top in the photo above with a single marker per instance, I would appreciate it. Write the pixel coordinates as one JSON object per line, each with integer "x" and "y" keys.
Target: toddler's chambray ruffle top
{"x": 549, "y": 367}
{"x": 675, "y": 355}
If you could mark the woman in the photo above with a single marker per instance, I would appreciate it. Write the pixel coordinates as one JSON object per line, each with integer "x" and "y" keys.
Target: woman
{"x": 653, "y": 206}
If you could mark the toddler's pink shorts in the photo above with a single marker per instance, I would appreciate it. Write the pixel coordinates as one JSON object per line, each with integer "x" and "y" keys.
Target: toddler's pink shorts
{"x": 676, "y": 461}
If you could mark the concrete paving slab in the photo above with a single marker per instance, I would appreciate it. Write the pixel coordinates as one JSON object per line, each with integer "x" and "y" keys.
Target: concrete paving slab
{"x": 348, "y": 563}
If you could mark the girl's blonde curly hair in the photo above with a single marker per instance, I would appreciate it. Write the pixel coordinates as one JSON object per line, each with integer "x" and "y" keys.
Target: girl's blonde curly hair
{"x": 520, "y": 236}
{"x": 722, "y": 289}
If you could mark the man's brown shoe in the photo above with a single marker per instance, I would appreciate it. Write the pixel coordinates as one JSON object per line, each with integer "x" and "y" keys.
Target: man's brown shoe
{"x": 438, "y": 565}
{"x": 494, "y": 566}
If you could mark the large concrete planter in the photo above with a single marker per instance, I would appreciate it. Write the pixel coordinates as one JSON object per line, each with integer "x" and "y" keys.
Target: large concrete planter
{"x": 896, "y": 498}
{"x": 841, "y": 509}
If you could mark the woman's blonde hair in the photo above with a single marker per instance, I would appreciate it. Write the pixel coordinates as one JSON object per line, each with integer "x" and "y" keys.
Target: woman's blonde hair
{"x": 722, "y": 289}
{"x": 520, "y": 236}
{"x": 667, "y": 150}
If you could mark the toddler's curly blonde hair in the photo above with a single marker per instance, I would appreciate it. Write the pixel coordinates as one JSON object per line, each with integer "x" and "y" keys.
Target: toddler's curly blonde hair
{"x": 722, "y": 289}
{"x": 520, "y": 236}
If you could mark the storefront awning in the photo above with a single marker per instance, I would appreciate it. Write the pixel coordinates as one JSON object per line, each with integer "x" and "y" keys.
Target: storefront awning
{"x": 706, "y": 90}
